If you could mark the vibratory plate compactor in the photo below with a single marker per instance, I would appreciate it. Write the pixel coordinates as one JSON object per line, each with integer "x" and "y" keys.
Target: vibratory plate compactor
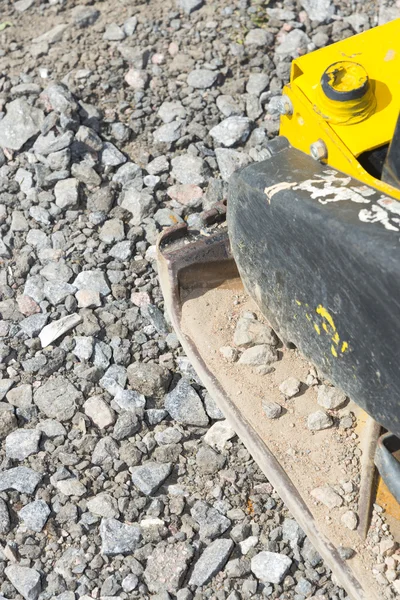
{"x": 308, "y": 244}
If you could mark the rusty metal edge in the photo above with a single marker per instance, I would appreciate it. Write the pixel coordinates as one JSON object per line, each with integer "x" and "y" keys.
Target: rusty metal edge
{"x": 168, "y": 271}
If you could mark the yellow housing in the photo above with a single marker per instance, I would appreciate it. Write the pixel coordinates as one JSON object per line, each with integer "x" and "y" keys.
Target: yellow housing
{"x": 364, "y": 71}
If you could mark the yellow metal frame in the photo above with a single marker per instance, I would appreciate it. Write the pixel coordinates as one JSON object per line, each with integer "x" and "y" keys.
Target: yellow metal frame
{"x": 378, "y": 52}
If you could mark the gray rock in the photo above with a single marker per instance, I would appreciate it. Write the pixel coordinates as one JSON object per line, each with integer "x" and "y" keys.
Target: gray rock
{"x": 22, "y": 479}
{"x": 71, "y": 487}
{"x": 52, "y": 36}
{"x": 189, "y": 169}
{"x": 260, "y": 38}
{"x": 84, "y": 346}
{"x": 272, "y": 410}
{"x": 258, "y": 355}
{"x": 89, "y": 138}
{"x": 270, "y": 567}
{"x": 126, "y": 426}
{"x": 130, "y": 25}
{"x": 8, "y": 421}
{"x": 105, "y": 448}
{"x": 168, "y": 133}
{"x": 49, "y": 144}
{"x": 327, "y": 496}
{"x": 34, "y": 515}
{"x": 150, "y": 475}
{"x": 148, "y": 379}
{"x": 103, "y": 505}
{"x": 25, "y": 580}
{"x": 99, "y": 412}
{"x": 130, "y": 400}
{"x": 72, "y": 560}
{"x": 330, "y": 397}
{"x": 211, "y": 408}
{"x": 202, "y": 78}
{"x": 185, "y": 406}
{"x": 318, "y": 10}
{"x": 57, "y": 291}
{"x": 290, "y": 387}
{"x": 257, "y": 83}
{"x": 230, "y": 161}
{"x": 250, "y": 332}
{"x": 118, "y": 538}
{"x": 57, "y": 399}
{"x": 59, "y": 98}
{"x": 20, "y": 124}
{"x": 20, "y": 396}
{"x": 228, "y": 106}
{"x": 111, "y": 156}
{"x": 212, "y": 523}
{"x": 57, "y": 271}
{"x": 231, "y": 131}
{"x": 5, "y": 386}
{"x": 319, "y": 420}
{"x": 34, "y": 324}
{"x": 122, "y": 251}
{"x": 292, "y": 533}
{"x": 85, "y": 15}
{"x": 5, "y": 521}
{"x": 160, "y": 164}
{"x": 156, "y": 415}
{"x": 295, "y": 42}
{"x": 92, "y": 280}
{"x": 218, "y": 435}
{"x": 166, "y": 567}
{"x": 189, "y": 6}
{"x": 171, "y": 435}
{"x": 238, "y": 567}
{"x": 21, "y": 443}
{"x": 349, "y": 520}
{"x": 168, "y": 112}
{"x": 139, "y": 204}
{"x": 112, "y": 231}
{"x": 345, "y": 553}
{"x": 212, "y": 560}
{"x": 113, "y": 33}
{"x": 310, "y": 554}
{"x": 130, "y": 583}
{"x": 67, "y": 193}
{"x": 51, "y": 428}
{"x": 209, "y": 461}
{"x": 23, "y": 5}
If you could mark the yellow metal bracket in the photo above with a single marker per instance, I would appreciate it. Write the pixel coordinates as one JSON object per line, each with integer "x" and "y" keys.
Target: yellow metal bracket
{"x": 345, "y": 99}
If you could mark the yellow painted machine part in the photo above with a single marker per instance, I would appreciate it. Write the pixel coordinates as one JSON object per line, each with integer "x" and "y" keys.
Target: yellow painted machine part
{"x": 378, "y": 52}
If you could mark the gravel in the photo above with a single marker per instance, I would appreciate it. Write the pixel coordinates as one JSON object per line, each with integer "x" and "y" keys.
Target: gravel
{"x": 119, "y": 476}
{"x": 270, "y": 567}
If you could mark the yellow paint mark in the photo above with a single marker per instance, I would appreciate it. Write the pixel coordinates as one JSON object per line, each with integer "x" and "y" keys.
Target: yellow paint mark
{"x": 336, "y": 338}
{"x": 333, "y": 350}
{"x": 298, "y": 302}
{"x": 325, "y": 327}
{"x": 308, "y": 317}
{"x": 317, "y": 329}
{"x": 345, "y": 347}
{"x": 320, "y": 310}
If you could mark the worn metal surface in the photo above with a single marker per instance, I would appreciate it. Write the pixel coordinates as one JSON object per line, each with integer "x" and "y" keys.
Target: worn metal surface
{"x": 320, "y": 254}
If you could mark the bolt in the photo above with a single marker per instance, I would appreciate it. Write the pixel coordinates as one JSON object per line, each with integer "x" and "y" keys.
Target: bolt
{"x": 284, "y": 105}
{"x": 318, "y": 150}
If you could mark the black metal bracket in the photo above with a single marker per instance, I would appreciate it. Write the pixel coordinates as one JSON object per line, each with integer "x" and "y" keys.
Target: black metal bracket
{"x": 387, "y": 464}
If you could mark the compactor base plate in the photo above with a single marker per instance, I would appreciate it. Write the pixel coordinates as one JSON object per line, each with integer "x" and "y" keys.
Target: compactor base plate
{"x": 204, "y": 297}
